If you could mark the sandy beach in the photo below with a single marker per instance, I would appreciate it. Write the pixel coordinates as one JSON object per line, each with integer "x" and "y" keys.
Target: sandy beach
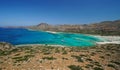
{"x": 51, "y": 32}
{"x": 108, "y": 39}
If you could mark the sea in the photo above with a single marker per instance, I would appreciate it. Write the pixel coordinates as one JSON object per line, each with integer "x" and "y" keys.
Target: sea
{"x": 21, "y": 36}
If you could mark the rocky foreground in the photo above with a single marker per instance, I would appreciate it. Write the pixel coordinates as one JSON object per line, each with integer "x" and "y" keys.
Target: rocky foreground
{"x": 101, "y": 57}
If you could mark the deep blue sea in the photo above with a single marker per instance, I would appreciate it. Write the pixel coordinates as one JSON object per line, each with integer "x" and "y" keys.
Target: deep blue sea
{"x": 19, "y": 36}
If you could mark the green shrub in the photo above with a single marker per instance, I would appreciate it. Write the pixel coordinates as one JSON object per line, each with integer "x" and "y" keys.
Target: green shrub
{"x": 96, "y": 68}
{"x": 57, "y": 50}
{"x": 110, "y": 65}
{"x": 74, "y": 67}
{"x": 64, "y": 52}
{"x": 118, "y": 63}
{"x": 89, "y": 65}
{"x": 3, "y": 53}
{"x": 92, "y": 54}
{"x": 14, "y": 50}
{"x": 17, "y": 54}
{"x": 102, "y": 57}
{"x": 79, "y": 58}
{"x": 65, "y": 58}
{"x": 46, "y": 53}
{"x": 22, "y": 58}
{"x": 89, "y": 59}
{"x": 97, "y": 64}
{"x": 49, "y": 58}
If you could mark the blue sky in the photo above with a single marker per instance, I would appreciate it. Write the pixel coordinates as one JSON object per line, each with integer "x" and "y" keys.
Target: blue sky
{"x": 33, "y": 12}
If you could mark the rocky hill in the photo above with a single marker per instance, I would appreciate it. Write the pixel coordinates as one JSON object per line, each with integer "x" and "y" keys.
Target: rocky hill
{"x": 43, "y": 26}
{"x": 105, "y": 28}
{"x": 107, "y": 25}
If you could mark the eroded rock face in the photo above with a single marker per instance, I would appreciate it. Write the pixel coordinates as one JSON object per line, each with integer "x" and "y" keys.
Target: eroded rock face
{"x": 5, "y": 46}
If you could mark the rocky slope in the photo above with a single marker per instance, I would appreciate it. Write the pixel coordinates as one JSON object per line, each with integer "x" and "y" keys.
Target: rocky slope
{"x": 101, "y": 57}
{"x": 5, "y": 46}
{"x": 107, "y": 25}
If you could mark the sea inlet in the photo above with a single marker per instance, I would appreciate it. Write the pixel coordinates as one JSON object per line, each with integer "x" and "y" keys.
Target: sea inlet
{"x": 21, "y": 36}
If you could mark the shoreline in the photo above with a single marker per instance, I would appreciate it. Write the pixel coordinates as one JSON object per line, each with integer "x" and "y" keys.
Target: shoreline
{"x": 43, "y": 31}
{"x": 105, "y": 39}
{"x": 51, "y": 32}
{"x": 39, "y": 45}
{"x": 108, "y": 39}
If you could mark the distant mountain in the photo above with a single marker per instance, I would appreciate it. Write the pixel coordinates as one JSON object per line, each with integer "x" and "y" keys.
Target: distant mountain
{"x": 107, "y": 25}
{"x": 43, "y": 26}
{"x": 104, "y": 27}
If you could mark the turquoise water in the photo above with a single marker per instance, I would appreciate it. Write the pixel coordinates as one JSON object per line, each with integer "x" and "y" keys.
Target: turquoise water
{"x": 18, "y": 36}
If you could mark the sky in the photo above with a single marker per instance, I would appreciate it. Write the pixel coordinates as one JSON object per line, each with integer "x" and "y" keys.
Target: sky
{"x": 33, "y": 12}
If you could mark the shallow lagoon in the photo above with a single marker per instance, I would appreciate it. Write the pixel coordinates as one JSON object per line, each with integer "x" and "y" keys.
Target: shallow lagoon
{"x": 18, "y": 36}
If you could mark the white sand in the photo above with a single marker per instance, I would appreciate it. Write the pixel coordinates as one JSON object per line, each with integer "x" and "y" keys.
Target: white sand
{"x": 40, "y": 30}
{"x": 51, "y": 32}
{"x": 108, "y": 39}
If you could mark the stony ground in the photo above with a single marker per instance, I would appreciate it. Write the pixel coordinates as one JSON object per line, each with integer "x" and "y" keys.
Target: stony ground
{"x": 102, "y": 57}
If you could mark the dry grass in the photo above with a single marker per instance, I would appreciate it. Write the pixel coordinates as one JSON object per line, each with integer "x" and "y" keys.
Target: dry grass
{"x": 104, "y": 57}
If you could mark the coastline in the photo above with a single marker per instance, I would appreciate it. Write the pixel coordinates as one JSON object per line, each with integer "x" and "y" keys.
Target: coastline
{"x": 39, "y": 45}
{"x": 105, "y": 39}
{"x": 44, "y": 31}
{"x": 51, "y": 32}
{"x": 108, "y": 39}
{"x": 48, "y": 56}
